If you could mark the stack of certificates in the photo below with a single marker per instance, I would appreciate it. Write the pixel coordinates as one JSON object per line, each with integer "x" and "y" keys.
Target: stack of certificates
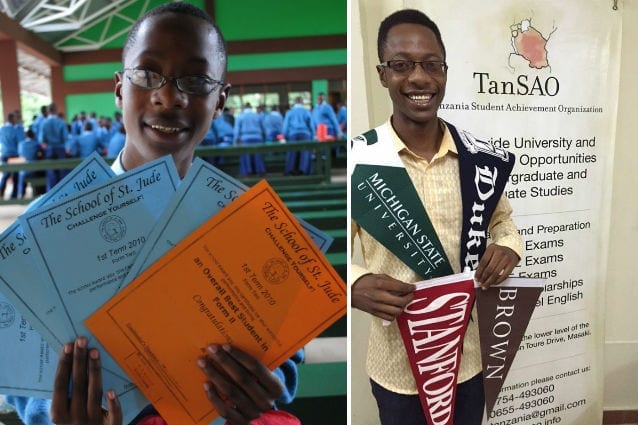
{"x": 153, "y": 269}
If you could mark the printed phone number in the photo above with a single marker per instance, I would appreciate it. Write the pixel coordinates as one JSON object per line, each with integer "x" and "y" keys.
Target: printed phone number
{"x": 526, "y": 405}
{"x": 545, "y": 389}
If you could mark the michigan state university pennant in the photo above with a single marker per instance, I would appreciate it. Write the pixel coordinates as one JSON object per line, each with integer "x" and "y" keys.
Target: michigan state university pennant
{"x": 385, "y": 203}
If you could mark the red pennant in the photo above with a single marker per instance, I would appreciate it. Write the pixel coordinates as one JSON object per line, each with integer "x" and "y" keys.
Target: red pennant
{"x": 433, "y": 326}
{"x": 503, "y": 314}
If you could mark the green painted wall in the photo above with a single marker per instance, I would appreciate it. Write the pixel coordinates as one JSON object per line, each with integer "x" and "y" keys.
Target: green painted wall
{"x": 249, "y": 62}
{"x": 100, "y": 103}
{"x": 245, "y": 62}
{"x": 244, "y": 20}
{"x": 257, "y": 19}
{"x": 96, "y": 71}
{"x": 319, "y": 86}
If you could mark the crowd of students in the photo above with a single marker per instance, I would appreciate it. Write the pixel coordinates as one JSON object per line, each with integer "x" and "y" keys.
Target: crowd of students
{"x": 261, "y": 124}
{"x": 49, "y": 136}
{"x": 83, "y": 135}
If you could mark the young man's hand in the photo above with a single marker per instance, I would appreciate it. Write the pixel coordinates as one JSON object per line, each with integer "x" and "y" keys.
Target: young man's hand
{"x": 381, "y": 295}
{"x": 240, "y": 387}
{"x": 81, "y": 367}
{"x": 496, "y": 265}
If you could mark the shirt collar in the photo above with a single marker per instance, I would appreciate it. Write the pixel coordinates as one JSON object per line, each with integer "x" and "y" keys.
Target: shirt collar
{"x": 117, "y": 166}
{"x": 447, "y": 144}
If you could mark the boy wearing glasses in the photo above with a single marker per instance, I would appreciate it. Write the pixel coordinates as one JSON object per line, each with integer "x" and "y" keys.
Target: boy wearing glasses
{"x": 434, "y": 155}
{"x": 170, "y": 89}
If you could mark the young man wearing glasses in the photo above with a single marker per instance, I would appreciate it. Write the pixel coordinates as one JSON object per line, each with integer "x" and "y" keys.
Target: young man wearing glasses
{"x": 434, "y": 155}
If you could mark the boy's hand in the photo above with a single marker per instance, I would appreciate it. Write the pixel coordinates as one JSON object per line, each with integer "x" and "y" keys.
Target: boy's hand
{"x": 381, "y": 295}
{"x": 83, "y": 369}
{"x": 496, "y": 265}
{"x": 240, "y": 387}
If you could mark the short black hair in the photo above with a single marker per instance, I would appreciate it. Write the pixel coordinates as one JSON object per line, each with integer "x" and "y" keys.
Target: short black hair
{"x": 184, "y": 9}
{"x": 406, "y": 16}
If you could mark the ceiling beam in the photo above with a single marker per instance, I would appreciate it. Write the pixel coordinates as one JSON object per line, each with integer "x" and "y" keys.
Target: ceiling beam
{"x": 28, "y": 41}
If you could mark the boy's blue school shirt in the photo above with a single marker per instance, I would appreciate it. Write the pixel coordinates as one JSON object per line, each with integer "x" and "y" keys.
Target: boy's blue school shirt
{"x": 249, "y": 125}
{"x": 53, "y": 131}
{"x": 298, "y": 120}
{"x": 8, "y": 141}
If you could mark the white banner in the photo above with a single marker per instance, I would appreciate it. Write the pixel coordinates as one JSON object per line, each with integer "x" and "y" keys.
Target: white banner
{"x": 540, "y": 78}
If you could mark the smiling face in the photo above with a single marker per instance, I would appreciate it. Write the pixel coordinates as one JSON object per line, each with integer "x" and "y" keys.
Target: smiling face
{"x": 415, "y": 95}
{"x": 167, "y": 121}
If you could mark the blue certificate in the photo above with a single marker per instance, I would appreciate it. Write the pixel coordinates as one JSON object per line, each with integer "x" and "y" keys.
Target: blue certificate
{"x": 28, "y": 363}
{"x": 92, "y": 170}
{"x": 20, "y": 281}
{"x": 86, "y": 243}
{"x": 204, "y": 191}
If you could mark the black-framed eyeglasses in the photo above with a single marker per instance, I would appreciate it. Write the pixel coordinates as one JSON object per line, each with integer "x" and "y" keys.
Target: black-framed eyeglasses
{"x": 190, "y": 84}
{"x": 404, "y": 66}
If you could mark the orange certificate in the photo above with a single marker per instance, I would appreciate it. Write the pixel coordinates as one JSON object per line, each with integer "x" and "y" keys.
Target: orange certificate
{"x": 250, "y": 276}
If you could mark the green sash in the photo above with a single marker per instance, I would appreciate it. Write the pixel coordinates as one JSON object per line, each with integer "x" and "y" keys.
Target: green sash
{"x": 385, "y": 202}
